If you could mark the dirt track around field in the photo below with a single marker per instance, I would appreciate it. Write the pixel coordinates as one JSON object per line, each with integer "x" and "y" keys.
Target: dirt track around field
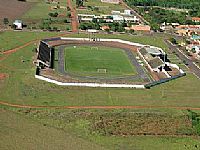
{"x": 99, "y": 107}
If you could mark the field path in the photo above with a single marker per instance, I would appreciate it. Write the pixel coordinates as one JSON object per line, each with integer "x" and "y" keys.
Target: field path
{"x": 74, "y": 21}
{"x": 19, "y": 47}
{"x": 98, "y": 107}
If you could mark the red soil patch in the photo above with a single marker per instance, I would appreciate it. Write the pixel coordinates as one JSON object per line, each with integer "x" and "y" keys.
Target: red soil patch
{"x": 74, "y": 21}
{"x": 3, "y": 76}
{"x": 17, "y": 48}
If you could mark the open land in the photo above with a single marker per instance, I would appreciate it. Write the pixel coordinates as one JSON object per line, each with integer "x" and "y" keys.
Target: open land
{"x": 22, "y": 88}
{"x": 13, "y": 9}
{"x": 166, "y": 105}
{"x": 97, "y": 129}
{"x": 103, "y": 8}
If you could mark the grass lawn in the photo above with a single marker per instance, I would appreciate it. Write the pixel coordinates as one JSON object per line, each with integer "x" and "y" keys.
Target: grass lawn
{"x": 70, "y": 129}
{"x": 78, "y": 125}
{"x": 13, "y": 39}
{"x": 104, "y": 8}
{"x": 143, "y": 39}
{"x": 86, "y": 60}
{"x": 22, "y": 88}
{"x": 21, "y": 133}
{"x": 39, "y": 11}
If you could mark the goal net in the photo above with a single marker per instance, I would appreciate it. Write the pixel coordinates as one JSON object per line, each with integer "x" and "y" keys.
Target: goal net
{"x": 94, "y": 48}
{"x": 101, "y": 70}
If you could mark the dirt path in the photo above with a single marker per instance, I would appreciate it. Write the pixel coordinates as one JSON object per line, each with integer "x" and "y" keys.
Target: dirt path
{"x": 99, "y": 107}
{"x": 74, "y": 21}
{"x": 17, "y": 48}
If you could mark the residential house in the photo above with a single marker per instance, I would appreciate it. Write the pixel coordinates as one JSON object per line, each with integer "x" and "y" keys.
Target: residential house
{"x": 143, "y": 28}
{"x": 196, "y": 19}
{"x": 18, "y": 24}
{"x": 104, "y": 28}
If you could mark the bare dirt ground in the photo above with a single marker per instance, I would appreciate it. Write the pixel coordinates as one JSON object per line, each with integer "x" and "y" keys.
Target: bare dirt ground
{"x": 12, "y": 9}
{"x": 74, "y": 21}
{"x": 3, "y": 76}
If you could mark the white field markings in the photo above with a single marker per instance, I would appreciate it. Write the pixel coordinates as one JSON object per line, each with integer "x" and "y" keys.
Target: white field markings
{"x": 195, "y": 75}
{"x": 196, "y": 65}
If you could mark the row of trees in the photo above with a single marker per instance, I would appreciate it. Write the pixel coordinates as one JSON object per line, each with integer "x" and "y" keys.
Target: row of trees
{"x": 116, "y": 26}
{"x": 156, "y": 16}
{"x": 183, "y": 4}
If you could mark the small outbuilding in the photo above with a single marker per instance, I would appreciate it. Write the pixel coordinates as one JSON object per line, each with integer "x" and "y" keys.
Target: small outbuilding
{"x": 18, "y": 24}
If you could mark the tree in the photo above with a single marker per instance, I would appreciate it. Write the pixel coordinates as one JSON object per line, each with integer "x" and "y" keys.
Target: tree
{"x": 5, "y": 21}
{"x": 173, "y": 40}
{"x": 51, "y": 14}
{"x": 131, "y": 31}
{"x": 193, "y": 50}
{"x": 79, "y": 3}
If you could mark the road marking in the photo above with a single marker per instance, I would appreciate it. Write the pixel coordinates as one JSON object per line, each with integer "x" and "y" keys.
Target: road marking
{"x": 196, "y": 75}
{"x": 196, "y": 65}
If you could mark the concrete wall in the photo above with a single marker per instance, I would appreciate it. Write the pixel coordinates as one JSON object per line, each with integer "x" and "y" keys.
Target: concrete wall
{"x": 89, "y": 84}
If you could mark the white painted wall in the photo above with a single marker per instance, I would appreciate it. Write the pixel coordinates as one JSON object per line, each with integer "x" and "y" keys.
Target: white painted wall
{"x": 90, "y": 84}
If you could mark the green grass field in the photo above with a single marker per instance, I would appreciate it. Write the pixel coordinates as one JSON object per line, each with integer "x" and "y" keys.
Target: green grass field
{"x": 22, "y": 88}
{"x": 13, "y": 39}
{"x": 21, "y": 133}
{"x": 87, "y": 60}
{"x": 71, "y": 129}
{"x": 104, "y": 8}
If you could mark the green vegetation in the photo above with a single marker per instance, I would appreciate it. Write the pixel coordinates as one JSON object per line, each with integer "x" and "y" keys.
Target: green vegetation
{"x": 86, "y": 60}
{"x": 156, "y": 40}
{"x": 186, "y": 4}
{"x": 21, "y": 133}
{"x": 159, "y": 11}
{"x": 13, "y": 39}
{"x": 79, "y": 3}
{"x": 97, "y": 7}
{"x": 116, "y": 129}
{"x": 21, "y": 87}
{"x": 47, "y": 16}
{"x": 195, "y": 117}
{"x": 5, "y": 21}
{"x": 97, "y": 129}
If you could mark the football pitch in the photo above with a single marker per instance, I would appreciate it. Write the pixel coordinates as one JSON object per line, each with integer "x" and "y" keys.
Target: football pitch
{"x": 97, "y": 61}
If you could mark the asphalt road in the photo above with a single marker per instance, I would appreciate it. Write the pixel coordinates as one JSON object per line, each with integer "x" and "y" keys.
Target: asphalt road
{"x": 184, "y": 58}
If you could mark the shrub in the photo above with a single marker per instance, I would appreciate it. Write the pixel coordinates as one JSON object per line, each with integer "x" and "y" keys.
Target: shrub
{"x": 51, "y": 14}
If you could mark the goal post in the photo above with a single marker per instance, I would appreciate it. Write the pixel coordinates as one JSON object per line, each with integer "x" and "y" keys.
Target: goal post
{"x": 102, "y": 70}
{"x": 94, "y": 48}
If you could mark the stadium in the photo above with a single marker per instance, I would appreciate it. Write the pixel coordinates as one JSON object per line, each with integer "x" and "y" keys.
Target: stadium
{"x": 95, "y": 62}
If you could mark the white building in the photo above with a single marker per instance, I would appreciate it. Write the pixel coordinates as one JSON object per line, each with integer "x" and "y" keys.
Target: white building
{"x": 111, "y": 1}
{"x": 118, "y": 18}
{"x": 18, "y": 24}
{"x": 127, "y": 12}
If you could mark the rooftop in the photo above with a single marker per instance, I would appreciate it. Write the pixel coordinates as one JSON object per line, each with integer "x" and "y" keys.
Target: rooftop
{"x": 155, "y": 63}
{"x": 18, "y": 21}
{"x": 196, "y": 18}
